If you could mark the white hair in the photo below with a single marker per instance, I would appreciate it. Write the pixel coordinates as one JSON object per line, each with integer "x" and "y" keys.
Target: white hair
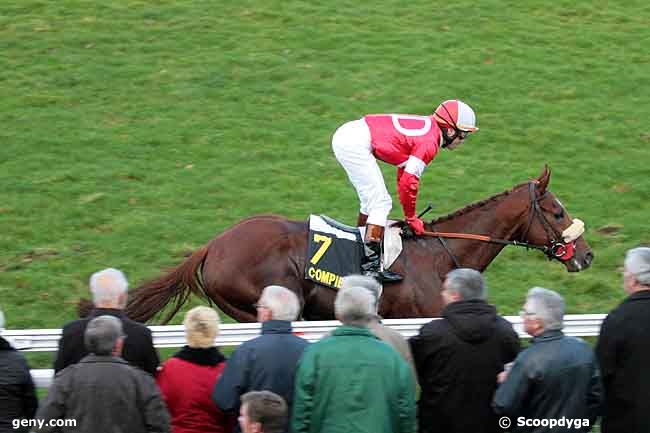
{"x": 637, "y": 262}
{"x": 369, "y": 283}
{"x": 201, "y": 327}
{"x": 354, "y": 305}
{"x": 547, "y": 306}
{"x": 282, "y": 302}
{"x": 468, "y": 283}
{"x": 108, "y": 285}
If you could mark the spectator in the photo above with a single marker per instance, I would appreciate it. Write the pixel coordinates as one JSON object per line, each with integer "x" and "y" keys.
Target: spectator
{"x": 351, "y": 381}
{"x": 102, "y": 392}
{"x": 109, "y": 290}
{"x": 262, "y": 412}
{"x": 555, "y": 378}
{"x": 384, "y": 333}
{"x": 624, "y": 353}
{"x": 267, "y": 362}
{"x": 17, "y": 394}
{"x": 186, "y": 380}
{"x": 459, "y": 356}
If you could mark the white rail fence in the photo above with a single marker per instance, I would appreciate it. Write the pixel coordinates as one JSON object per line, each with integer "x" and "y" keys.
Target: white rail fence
{"x": 234, "y": 334}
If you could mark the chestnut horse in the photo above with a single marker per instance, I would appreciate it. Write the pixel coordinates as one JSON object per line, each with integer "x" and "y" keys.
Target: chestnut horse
{"x": 233, "y": 268}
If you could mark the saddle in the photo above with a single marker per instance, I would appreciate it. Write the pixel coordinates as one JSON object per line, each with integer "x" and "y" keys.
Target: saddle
{"x": 335, "y": 250}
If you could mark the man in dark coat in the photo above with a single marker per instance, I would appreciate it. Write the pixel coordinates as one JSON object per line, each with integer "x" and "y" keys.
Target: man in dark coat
{"x": 459, "y": 356}
{"x": 556, "y": 379}
{"x": 109, "y": 290}
{"x": 102, "y": 392}
{"x": 17, "y": 394}
{"x": 267, "y": 362}
{"x": 624, "y": 353}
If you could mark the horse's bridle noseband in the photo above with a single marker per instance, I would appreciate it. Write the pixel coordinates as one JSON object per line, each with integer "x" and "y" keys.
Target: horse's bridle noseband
{"x": 556, "y": 249}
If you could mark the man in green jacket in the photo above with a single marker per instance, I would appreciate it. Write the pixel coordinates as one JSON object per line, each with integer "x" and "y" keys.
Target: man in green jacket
{"x": 351, "y": 382}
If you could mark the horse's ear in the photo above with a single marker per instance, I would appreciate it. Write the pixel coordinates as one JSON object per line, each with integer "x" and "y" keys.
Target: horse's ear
{"x": 543, "y": 179}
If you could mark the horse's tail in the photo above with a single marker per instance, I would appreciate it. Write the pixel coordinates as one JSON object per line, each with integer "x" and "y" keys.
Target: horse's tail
{"x": 177, "y": 285}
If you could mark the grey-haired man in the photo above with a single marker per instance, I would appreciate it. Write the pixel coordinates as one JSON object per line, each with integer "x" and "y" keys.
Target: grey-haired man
{"x": 102, "y": 392}
{"x": 267, "y": 362}
{"x": 556, "y": 378}
{"x": 386, "y": 334}
{"x": 624, "y": 353}
{"x": 351, "y": 381}
{"x": 458, "y": 357}
{"x": 109, "y": 289}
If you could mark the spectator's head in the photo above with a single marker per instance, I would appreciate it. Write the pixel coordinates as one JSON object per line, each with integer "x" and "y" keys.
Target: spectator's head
{"x": 277, "y": 303}
{"x": 366, "y": 282}
{"x": 463, "y": 284}
{"x": 543, "y": 311}
{"x": 636, "y": 274}
{"x": 262, "y": 412}
{"x": 109, "y": 288}
{"x": 104, "y": 336}
{"x": 201, "y": 327}
{"x": 354, "y": 306}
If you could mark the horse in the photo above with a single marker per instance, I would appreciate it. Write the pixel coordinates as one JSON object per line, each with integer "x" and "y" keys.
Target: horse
{"x": 233, "y": 268}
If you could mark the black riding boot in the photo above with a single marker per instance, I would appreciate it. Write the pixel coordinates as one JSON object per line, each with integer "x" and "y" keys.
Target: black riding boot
{"x": 371, "y": 264}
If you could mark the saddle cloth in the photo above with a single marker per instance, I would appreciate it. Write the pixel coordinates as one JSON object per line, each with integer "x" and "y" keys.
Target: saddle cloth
{"x": 336, "y": 250}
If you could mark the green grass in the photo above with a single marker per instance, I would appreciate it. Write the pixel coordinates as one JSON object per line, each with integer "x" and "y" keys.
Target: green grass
{"x": 133, "y": 132}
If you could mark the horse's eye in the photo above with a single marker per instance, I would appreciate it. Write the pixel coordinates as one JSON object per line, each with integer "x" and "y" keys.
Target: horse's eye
{"x": 559, "y": 215}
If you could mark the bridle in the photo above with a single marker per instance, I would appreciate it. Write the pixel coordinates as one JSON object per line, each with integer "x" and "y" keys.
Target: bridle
{"x": 556, "y": 249}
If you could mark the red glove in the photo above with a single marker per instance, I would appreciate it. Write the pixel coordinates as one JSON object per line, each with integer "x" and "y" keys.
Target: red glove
{"x": 416, "y": 224}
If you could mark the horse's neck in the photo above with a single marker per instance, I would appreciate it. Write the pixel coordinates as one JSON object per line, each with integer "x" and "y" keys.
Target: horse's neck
{"x": 500, "y": 219}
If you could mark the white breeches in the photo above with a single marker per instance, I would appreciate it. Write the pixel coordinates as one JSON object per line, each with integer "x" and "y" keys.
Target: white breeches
{"x": 352, "y": 148}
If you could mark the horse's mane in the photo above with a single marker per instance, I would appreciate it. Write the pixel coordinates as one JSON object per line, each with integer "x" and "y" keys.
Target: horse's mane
{"x": 477, "y": 204}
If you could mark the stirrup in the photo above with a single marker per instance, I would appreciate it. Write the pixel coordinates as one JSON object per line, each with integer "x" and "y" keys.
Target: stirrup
{"x": 389, "y": 277}
{"x": 384, "y": 277}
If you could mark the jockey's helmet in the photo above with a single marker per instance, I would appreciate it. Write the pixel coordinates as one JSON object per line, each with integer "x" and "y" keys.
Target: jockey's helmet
{"x": 457, "y": 115}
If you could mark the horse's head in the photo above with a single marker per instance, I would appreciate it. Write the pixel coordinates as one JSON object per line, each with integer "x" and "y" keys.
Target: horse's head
{"x": 549, "y": 224}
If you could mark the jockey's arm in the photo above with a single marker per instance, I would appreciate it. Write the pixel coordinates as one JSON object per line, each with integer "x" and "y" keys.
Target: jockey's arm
{"x": 408, "y": 185}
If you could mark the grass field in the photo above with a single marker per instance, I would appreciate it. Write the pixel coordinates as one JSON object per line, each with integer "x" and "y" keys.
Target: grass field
{"x": 134, "y": 132}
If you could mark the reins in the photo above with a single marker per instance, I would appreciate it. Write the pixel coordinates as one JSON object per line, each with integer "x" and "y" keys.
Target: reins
{"x": 535, "y": 210}
{"x": 483, "y": 238}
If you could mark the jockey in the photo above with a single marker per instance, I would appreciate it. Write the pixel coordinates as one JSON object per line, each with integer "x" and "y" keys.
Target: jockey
{"x": 406, "y": 141}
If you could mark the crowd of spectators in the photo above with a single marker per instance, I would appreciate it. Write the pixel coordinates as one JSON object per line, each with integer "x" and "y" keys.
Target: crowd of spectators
{"x": 363, "y": 377}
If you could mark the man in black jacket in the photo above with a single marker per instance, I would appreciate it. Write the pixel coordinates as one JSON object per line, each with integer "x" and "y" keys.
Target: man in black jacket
{"x": 109, "y": 290}
{"x": 624, "y": 353}
{"x": 17, "y": 395}
{"x": 554, "y": 385}
{"x": 459, "y": 356}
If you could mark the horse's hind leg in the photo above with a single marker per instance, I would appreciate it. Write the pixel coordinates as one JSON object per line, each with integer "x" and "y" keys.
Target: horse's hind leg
{"x": 231, "y": 310}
